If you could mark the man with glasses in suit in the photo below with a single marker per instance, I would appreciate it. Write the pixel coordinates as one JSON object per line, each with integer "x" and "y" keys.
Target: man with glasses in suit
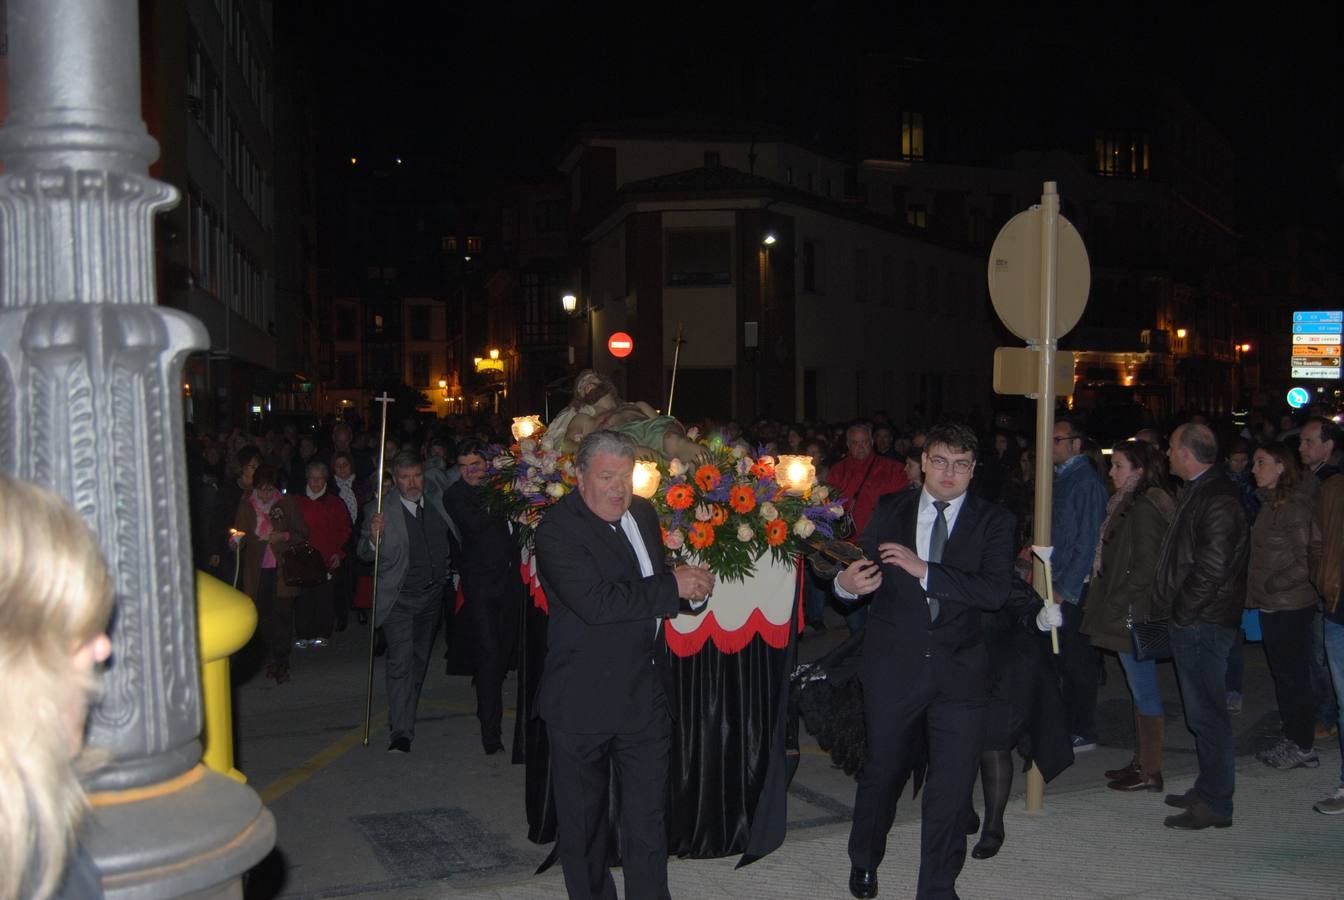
{"x": 934, "y": 560}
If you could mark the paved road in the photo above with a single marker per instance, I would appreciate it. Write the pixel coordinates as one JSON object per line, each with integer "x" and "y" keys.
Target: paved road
{"x": 448, "y": 821}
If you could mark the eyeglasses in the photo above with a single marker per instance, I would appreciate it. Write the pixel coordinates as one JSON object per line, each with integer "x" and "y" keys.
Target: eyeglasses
{"x": 960, "y": 466}
{"x": 1067, "y": 437}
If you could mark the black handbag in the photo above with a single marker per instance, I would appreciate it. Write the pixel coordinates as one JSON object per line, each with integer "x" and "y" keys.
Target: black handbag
{"x": 304, "y": 566}
{"x": 1151, "y": 640}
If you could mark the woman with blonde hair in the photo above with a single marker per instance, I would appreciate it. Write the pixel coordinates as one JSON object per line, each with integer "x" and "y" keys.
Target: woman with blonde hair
{"x": 55, "y": 599}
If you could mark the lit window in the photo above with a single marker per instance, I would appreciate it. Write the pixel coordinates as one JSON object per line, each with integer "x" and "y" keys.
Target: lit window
{"x": 912, "y": 135}
{"x": 473, "y": 244}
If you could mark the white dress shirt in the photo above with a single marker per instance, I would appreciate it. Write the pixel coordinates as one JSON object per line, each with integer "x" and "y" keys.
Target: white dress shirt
{"x": 923, "y": 534}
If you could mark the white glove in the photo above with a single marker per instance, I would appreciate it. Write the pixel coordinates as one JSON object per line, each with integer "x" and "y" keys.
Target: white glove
{"x": 1050, "y": 616}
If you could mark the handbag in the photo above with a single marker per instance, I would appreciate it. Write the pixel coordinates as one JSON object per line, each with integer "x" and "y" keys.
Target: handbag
{"x": 1151, "y": 639}
{"x": 304, "y": 566}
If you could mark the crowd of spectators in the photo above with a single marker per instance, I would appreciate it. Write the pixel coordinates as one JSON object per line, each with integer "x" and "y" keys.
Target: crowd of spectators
{"x": 1107, "y": 505}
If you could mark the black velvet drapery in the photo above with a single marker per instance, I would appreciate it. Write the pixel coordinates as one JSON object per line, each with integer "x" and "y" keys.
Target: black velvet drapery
{"x": 730, "y": 764}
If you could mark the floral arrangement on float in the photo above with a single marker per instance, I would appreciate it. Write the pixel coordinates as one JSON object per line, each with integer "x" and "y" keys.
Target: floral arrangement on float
{"x": 726, "y": 509}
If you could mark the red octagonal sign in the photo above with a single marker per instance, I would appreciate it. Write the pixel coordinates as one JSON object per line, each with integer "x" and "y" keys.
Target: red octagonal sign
{"x": 620, "y": 344}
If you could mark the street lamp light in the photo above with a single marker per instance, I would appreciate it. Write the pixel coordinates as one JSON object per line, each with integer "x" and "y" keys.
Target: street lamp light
{"x": 570, "y": 303}
{"x": 1181, "y": 333}
{"x": 769, "y": 239}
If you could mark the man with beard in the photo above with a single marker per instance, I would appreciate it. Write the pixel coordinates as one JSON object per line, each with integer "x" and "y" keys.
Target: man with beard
{"x": 413, "y": 568}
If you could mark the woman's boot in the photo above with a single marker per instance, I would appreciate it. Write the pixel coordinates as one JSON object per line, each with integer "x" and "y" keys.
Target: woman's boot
{"x": 1132, "y": 769}
{"x": 996, "y": 776}
{"x": 1152, "y": 732}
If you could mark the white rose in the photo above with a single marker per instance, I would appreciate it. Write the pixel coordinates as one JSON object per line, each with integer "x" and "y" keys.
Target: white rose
{"x": 548, "y": 465}
{"x": 703, "y": 513}
{"x": 528, "y": 445}
{"x": 804, "y": 527}
{"x": 745, "y": 534}
{"x": 820, "y": 493}
{"x": 555, "y": 489}
{"x": 676, "y": 468}
{"x": 837, "y": 511}
{"x": 739, "y": 450}
{"x": 768, "y": 511}
{"x": 693, "y": 432}
{"x": 675, "y": 539}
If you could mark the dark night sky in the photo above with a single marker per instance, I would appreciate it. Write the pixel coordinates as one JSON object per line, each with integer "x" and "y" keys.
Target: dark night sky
{"x": 497, "y": 87}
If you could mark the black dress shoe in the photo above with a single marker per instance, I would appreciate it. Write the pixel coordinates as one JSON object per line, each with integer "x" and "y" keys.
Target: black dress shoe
{"x": 1182, "y": 801}
{"x": 1196, "y": 817}
{"x": 493, "y": 746}
{"x": 973, "y": 822}
{"x": 863, "y": 882}
{"x": 989, "y": 845}
{"x": 399, "y": 744}
{"x": 379, "y": 643}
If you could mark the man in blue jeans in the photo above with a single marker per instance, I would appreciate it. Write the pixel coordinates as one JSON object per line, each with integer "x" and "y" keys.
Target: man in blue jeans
{"x": 1078, "y": 509}
{"x": 1199, "y": 583}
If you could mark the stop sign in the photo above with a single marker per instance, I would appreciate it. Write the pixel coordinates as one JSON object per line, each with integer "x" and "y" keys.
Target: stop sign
{"x": 620, "y": 344}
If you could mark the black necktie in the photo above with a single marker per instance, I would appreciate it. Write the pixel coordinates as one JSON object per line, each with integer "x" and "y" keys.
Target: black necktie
{"x": 937, "y": 541}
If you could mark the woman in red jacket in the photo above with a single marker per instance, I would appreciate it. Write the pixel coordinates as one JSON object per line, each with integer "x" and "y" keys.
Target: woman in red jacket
{"x": 328, "y": 522}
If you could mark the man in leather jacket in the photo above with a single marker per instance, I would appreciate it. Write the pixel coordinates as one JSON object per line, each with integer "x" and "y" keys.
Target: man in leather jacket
{"x": 1199, "y": 584}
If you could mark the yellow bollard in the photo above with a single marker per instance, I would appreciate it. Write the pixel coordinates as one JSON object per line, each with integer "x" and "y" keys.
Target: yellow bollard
{"x": 226, "y": 618}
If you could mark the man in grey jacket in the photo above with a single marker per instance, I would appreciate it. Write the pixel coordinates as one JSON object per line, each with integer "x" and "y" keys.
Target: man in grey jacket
{"x": 413, "y": 568}
{"x": 1199, "y": 584}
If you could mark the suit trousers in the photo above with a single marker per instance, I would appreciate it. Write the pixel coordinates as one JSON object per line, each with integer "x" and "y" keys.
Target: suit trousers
{"x": 409, "y": 630}
{"x": 581, "y": 774}
{"x": 899, "y": 728}
{"x": 494, "y": 611}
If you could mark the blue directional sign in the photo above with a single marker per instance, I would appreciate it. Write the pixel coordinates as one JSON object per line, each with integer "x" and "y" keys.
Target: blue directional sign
{"x": 1318, "y": 316}
{"x": 1298, "y": 397}
{"x": 1317, "y": 337}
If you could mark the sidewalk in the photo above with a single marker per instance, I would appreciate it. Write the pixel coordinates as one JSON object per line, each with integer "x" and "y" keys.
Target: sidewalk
{"x": 448, "y": 821}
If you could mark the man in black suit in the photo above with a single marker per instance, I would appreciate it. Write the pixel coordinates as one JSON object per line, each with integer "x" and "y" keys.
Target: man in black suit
{"x": 488, "y": 565}
{"x": 945, "y": 556}
{"x": 606, "y": 690}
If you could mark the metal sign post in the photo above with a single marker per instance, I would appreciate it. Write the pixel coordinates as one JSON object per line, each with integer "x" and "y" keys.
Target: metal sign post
{"x": 1038, "y": 281}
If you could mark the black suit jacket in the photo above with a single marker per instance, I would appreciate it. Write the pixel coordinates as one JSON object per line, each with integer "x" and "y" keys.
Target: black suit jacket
{"x": 605, "y": 665}
{"x": 975, "y": 575}
{"x": 489, "y": 556}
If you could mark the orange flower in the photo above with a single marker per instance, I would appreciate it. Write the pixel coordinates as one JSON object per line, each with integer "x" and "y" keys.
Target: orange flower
{"x": 702, "y": 535}
{"x": 776, "y": 532}
{"x": 680, "y": 496}
{"x": 717, "y": 515}
{"x": 760, "y": 469}
{"x": 708, "y": 477}
{"x": 742, "y": 499}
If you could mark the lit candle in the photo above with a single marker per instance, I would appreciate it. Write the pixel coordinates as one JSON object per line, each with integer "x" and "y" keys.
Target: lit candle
{"x": 795, "y": 473}
{"x": 525, "y": 427}
{"x": 646, "y": 478}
